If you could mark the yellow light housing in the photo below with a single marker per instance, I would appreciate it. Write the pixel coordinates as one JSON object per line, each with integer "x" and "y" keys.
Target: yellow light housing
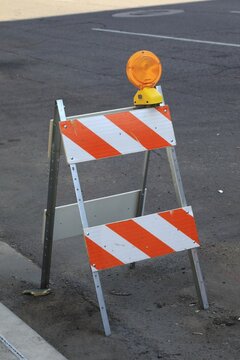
{"x": 144, "y": 71}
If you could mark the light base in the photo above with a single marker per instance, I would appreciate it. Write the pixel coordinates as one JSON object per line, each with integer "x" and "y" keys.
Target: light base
{"x": 147, "y": 96}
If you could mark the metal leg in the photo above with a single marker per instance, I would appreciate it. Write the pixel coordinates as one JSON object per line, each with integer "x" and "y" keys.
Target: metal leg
{"x": 51, "y": 200}
{"x": 198, "y": 279}
{"x": 142, "y": 195}
{"x": 197, "y": 273}
{"x": 101, "y": 303}
{"x": 83, "y": 216}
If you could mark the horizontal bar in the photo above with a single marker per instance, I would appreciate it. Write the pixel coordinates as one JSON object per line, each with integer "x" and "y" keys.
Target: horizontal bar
{"x": 105, "y": 112}
{"x": 99, "y": 211}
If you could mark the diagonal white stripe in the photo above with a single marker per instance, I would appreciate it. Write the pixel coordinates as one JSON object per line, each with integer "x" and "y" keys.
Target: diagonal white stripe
{"x": 112, "y": 134}
{"x": 117, "y": 246}
{"x": 74, "y": 152}
{"x": 166, "y": 232}
{"x": 157, "y": 122}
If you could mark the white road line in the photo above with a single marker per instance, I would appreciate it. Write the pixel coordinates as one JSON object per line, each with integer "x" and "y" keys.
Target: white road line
{"x": 167, "y": 37}
{"x": 235, "y": 12}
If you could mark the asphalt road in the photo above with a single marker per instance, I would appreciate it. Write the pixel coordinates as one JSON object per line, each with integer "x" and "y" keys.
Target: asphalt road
{"x": 63, "y": 57}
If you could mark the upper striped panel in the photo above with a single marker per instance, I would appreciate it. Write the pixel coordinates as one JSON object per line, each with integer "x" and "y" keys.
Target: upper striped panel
{"x": 102, "y": 136}
{"x": 140, "y": 238}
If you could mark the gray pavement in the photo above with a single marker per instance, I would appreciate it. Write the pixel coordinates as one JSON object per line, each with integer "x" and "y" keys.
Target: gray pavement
{"x": 62, "y": 57}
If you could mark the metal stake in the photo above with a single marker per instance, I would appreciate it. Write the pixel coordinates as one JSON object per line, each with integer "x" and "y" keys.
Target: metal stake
{"x": 193, "y": 256}
{"x": 51, "y": 199}
{"x": 142, "y": 195}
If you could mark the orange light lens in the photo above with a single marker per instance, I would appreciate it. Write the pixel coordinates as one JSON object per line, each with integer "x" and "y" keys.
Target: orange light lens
{"x": 144, "y": 69}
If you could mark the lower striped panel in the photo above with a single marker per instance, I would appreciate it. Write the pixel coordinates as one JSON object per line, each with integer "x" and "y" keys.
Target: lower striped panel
{"x": 141, "y": 238}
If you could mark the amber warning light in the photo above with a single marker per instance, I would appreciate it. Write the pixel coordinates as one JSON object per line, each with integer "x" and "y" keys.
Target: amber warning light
{"x": 144, "y": 70}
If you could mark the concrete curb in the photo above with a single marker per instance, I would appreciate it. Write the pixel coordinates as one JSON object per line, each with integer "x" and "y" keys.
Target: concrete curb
{"x": 21, "y": 340}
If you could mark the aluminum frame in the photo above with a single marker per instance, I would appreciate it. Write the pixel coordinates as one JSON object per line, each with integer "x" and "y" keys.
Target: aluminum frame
{"x": 192, "y": 253}
{"x": 96, "y": 279}
{"x": 55, "y": 151}
{"x": 181, "y": 198}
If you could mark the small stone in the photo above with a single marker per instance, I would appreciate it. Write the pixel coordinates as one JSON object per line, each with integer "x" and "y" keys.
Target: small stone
{"x": 120, "y": 293}
{"x": 192, "y": 304}
{"x": 229, "y": 323}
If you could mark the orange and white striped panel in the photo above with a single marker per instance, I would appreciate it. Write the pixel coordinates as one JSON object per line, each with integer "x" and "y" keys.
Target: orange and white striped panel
{"x": 141, "y": 238}
{"x": 102, "y": 136}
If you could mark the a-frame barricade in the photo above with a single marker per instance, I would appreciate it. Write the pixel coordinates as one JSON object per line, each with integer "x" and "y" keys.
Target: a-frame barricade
{"x": 115, "y": 230}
